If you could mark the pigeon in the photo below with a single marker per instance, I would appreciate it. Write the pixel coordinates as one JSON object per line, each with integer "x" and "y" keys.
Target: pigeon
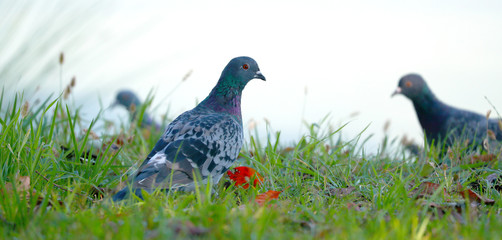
{"x": 201, "y": 143}
{"x": 131, "y": 102}
{"x": 442, "y": 122}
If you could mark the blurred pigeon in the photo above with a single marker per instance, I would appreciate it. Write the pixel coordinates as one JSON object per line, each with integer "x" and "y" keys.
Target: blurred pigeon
{"x": 200, "y": 143}
{"x": 132, "y": 103}
{"x": 441, "y": 121}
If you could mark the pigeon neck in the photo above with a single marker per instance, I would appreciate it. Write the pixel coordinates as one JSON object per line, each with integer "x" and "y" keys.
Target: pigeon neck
{"x": 431, "y": 112}
{"x": 225, "y": 100}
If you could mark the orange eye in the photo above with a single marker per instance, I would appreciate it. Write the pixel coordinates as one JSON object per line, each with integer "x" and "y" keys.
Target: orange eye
{"x": 408, "y": 84}
{"x": 245, "y": 66}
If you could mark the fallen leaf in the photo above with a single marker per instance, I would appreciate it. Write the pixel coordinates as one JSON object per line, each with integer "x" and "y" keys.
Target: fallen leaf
{"x": 267, "y": 196}
{"x": 426, "y": 170}
{"x": 340, "y": 192}
{"x": 441, "y": 209}
{"x": 484, "y": 158}
{"x": 287, "y": 150}
{"x": 242, "y": 175}
{"x": 428, "y": 189}
{"x": 473, "y": 196}
{"x": 354, "y": 206}
{"x": 189, "y": 228}
{"x": 22, "y": 185}
{"x": 492, "y": 177}
{"x": 92, "y": 134}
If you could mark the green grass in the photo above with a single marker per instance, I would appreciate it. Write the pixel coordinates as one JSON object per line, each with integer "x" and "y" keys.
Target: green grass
{"x": 331, "y": 188}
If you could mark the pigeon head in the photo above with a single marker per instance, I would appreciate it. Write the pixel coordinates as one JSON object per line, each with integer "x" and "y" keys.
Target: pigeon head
{"x": 413, "y": 86}
{"x": 238, "y": 72}
{"x": 226, "y": 95}
{"x": 127, "y": 98}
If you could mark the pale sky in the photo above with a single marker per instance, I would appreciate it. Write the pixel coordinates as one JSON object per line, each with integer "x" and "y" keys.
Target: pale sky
{"x": 349, "y": 55}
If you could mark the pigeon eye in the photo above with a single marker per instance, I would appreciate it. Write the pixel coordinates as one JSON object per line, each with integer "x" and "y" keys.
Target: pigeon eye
{"x": 245, "y": 66}
{"x": 408, "y": 84}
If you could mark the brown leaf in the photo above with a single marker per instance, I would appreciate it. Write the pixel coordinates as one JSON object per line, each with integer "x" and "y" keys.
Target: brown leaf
{"x": 473, "y": 196}
{"x": 492, "y": 177}
{"x": 23, "y": 183}
{"x": 455, "y": 209}
{"x": 351, "y": 205}
{"x": 340, "y": 192}
{"x": 429, "y": 188}
{"x": 91, "y": 133}
{"x": 309, "y": 225}
{"x": 288, "y": 149}
{"x": 484, "y": 158}
{"x": 100, "y": 192}
{"x": 22, "y": 186}
{"x": 189, "y": 228}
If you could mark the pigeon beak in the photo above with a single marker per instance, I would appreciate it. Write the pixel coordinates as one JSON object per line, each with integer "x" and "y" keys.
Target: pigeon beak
{"x": 398, "y": 91}
{"x": 259, "y": 76}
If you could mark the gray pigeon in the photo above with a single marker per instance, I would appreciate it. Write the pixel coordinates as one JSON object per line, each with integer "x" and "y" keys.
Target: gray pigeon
{"x": 200, "y": 143}
{"x": 131, "y": 102}
{"x": 443, "y": 122}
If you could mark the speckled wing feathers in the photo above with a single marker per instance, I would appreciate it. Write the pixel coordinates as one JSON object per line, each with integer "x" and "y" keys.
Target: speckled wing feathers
{"x": 197, "y": 142}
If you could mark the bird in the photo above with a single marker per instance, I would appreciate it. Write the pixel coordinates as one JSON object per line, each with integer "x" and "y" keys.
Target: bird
{"x": 441, "y": 122}
{"x": 201, "y": 143}
{"x": 131, "y": 102}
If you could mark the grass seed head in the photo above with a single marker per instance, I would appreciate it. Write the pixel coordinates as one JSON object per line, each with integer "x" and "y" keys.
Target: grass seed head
{"x": 92, "y": 134}
{"x": 386, "y": 126}
{"x": 132, "y": 108}
{"x": 67, "y": 92}
{"x": 73, "y": 82}
{"x": 251, "y": 124}
{"x": 354, "y": 114}
{"x": 187, "y": 75}
{"x": 266, "y": 121}
{"x": 488, "y": 114}
{"x": 491, "y": 134}
{"x": 486, "y": 145}
{"x": 61, "y": 58}
{"x": 25, "y": 109}
{"x": 450, "y": 153}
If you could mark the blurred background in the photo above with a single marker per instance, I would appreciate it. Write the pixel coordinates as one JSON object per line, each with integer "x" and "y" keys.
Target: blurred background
{"x": 340, "y": 59}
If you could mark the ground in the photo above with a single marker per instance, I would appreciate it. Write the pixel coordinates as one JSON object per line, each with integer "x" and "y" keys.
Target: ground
{"x": 57, "y": 178}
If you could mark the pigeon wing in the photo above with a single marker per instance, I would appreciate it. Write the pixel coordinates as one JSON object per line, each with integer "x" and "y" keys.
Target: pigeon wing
{"x": 209, "y": 149}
